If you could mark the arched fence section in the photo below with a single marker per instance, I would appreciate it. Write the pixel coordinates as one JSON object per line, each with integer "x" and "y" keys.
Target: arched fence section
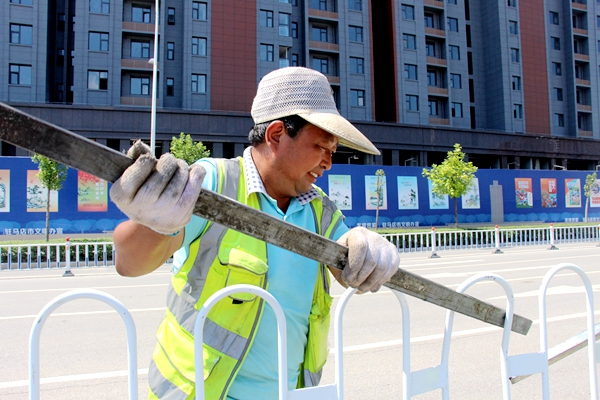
{"x": 513, "y": 368}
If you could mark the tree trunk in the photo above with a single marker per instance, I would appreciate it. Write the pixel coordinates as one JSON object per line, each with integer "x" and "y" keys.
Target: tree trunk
{"x": 587, "y": 201}
{"x": 456, "y": 212}
{"x": 48, "y": 217}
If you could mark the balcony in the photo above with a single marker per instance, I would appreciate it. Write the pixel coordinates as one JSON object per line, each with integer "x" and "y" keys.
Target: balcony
{"x": 334, "y": 80}
{"x": 437, "y": 91}
{"x": 584, "y": 108}
{"x": 436, "y": 61}
{"x": 434, "y": 3}
{"x": 435, "y": 32}
{"x": 582, "y": 133}
{"x": 579, "y": 6}
{"x": 439, "y": 121}
{"x": 136, "y": 63}
{"x": 582, "y": 82}
{"x": 321, "y": 14}
{"x": 323, "y": 46}
{"x": 139, "y": 27}
{"x": 580, "y": 32}
{"x": 136, "y": 101}
{"x": 581, "y": 57}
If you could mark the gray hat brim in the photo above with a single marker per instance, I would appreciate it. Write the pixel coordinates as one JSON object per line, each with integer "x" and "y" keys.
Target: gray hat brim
{"x": 338, "y": 126}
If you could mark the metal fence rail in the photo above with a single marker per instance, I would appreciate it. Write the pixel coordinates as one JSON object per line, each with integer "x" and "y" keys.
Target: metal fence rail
{"x": 45, "y": 256}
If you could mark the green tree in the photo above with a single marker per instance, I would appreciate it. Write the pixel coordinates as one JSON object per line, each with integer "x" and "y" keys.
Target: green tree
{"x": 52, "y": 176}
{"x": 379, "y": 190}
{"x": 184, "y": 148}
{"x": 590, "y": 183}
{"x": 453, "y": 177}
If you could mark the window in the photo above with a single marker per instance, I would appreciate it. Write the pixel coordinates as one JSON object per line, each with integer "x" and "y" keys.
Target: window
{"x": 598, "y": 46}
{"x": 20, "y": 74}
{"x": 513, "y": 28}
{"x": 556, "y": 68}
{"x": 554, "y": 18}
{"x": 284, "y": 24}
{"x": 319, "y": 33}
{"x": 412, "y": 102}
{"x": 199, "y": 10}
{"x": 266, "y": 52}
{"x": 60, "y": 57}
{"x": 319, "y": 4}
{"x": 433, "y": 108}
{"x": 98, "y": 41}
{"x": 559, "y": 120}
{"x": 408, "y": 12}
{"x": 430, "y": 49}
{"x": 140, "y": 14}
{"x": 295, "y": 60}
{"x": 198, "y": 46}
{"x": 22, "y": 2}
{"x": 295, "y": 3}
{"x": 100, "y": 6}
{"x": 321, "y": 64}
{"x": 429, "y": 20}
{"x": 295, "y": 30}
{"x": 455, "y": 81}
{"x": 266, "y": 18}
{"x": 170, "y": 87}
{"x": 558, "y": 94}
{"x": 410, "y": 41}
{"x": 598, "y": 21}
{"x": 514, "y": 55}
{"x": 98, "y": 80}
{"x": 357, "y": 98}
{"x": 171, "y": 16}
{"x": 140, "y": 85}
{"x": 457, "y": 110}
{"x": 284, "y": 1}
{"x": 410, "y": 72}
{"x": 357, "y": 65}
{"x": 198, "y": 83}
{"x": 21, "y": 34}
{"x": 518, "y": 111}
{"x": 451, "y": 1}
{"x": 432, "y": 78}
{"x": 140, "y": 49}
{"x": 170, "y": 51}
{"x": 355, "y": 5}
{"x": 452, "y": 24}
{"x": 512, "y": 3}
{"x": 555, "y": 43}
{"x": 454, "y": 52}
{"x": 356, "y": 34}
{"x": 516, "y": 83}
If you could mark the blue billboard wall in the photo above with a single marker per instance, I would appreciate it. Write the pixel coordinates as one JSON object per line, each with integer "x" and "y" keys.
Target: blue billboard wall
{"x": 407, "y": 200}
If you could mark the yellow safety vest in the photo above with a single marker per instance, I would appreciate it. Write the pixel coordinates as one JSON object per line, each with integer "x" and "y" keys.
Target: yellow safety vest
{"x": 221, "y": 257}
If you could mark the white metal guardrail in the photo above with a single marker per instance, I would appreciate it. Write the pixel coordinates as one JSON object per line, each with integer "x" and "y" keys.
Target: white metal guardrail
{"x": 414, "y": 383}
{"x": 95, "y": 254}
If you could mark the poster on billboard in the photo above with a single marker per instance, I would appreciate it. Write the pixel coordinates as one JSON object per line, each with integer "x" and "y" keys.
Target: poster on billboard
{"x": 4, "y": 190}
{"x": 471, "y": 199}
{"x": 371, "y": 193}
{"x": 595, "y": 194}
{"x": 524, "y": 192}
{"x": 340, "y": 191}
{"x": 549, "y": 194}
{"x": 92, "y": 193}
{"x": 408, "y": 193}
{"x": 437, "y": 202}
{"x": 37, "y": 194}
{"x": 572, "y": 193}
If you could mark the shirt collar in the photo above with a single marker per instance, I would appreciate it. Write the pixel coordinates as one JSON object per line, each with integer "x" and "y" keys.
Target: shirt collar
{"x": 255, "y": 184}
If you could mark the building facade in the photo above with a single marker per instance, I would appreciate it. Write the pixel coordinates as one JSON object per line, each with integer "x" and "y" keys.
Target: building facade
{"x": 514, "y": 82}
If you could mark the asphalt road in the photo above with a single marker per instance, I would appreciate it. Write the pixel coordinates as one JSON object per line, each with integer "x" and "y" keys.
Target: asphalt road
{"x": 84, "y": 354}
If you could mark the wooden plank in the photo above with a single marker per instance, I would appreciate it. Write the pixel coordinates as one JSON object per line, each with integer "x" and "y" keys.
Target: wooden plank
{"x": 75, "y": 151}
{"x": 565, "y": 349}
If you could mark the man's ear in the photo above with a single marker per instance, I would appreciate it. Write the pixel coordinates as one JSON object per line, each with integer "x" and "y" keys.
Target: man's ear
{"x": 274, "y": 132}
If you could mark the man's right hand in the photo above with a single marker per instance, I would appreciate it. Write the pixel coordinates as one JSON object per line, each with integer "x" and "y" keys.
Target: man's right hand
{"x": 159, "y": 194}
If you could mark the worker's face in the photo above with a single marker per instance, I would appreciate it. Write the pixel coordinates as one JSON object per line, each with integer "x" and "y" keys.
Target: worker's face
{"x": 304, "y": 158}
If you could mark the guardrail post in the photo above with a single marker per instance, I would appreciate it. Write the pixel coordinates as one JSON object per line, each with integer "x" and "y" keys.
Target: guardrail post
{"x": 598, "y": 245}
{"x": 497, "y": 241}
{"x": 67, "y": 257}
{"x": 552, "y": 246}
{"x": 433, "y": 253}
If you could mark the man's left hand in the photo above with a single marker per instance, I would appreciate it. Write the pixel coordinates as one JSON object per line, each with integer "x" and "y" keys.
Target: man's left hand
{"x": 372, "y": 260}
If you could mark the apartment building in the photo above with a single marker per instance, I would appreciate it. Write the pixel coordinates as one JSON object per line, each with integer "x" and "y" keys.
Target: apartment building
{"x": 515, "y": 82}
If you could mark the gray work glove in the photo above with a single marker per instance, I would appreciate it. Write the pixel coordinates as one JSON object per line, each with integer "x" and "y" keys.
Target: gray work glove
{"x": 372, "y": 260}
{"x": 159, "y": 194}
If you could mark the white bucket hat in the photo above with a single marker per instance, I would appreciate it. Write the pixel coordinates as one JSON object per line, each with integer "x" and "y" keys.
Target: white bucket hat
{"x": 306, "y": 93}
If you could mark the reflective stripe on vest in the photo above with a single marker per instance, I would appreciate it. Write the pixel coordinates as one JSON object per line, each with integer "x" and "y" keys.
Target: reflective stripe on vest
{"x": 226, "y": 342}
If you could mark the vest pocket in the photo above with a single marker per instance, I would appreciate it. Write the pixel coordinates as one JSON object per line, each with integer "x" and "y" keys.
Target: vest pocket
{"x": 318, "y": 327}
{"x": 242, "y": 268}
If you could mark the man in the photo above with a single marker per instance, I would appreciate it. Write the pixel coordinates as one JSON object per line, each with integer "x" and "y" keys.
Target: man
{"x": 297, "y": 129}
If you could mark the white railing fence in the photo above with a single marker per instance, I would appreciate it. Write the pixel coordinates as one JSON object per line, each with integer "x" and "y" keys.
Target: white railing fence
{"x": 414, "y": 383}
